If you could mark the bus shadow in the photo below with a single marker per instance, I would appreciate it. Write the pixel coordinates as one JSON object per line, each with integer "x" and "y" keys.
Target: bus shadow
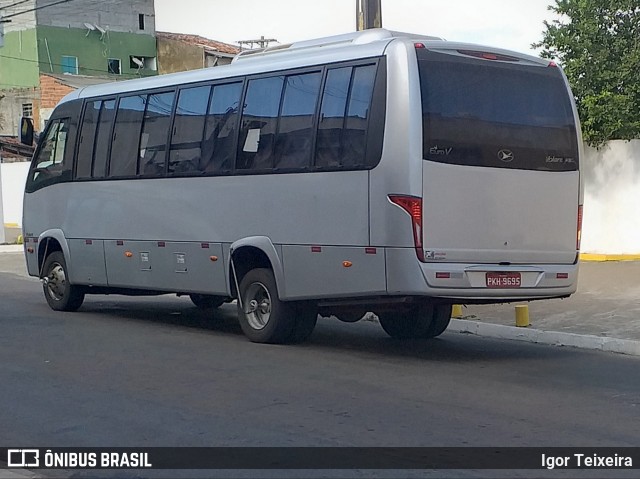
{"x": 364, "y": 339}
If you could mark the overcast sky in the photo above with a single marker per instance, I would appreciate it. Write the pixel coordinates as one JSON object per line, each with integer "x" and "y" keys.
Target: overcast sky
{"x": 512, "y": 24}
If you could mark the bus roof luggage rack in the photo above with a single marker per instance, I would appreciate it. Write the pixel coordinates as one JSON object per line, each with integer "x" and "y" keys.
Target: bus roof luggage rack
{"x": 346, "y": 39}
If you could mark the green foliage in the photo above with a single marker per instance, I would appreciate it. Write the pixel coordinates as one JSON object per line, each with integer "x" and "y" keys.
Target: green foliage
{"x": 598, "y": 44}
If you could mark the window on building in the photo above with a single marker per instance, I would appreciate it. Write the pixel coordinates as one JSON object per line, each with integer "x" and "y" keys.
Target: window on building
{"x": 69, "y": 64}
{"x": 141, "y": 21}
{"x": 27, "y": 110}
{"x": 153, "y": 142}
{"x": 114, "y": 66}
{"x": 139, "y": 62}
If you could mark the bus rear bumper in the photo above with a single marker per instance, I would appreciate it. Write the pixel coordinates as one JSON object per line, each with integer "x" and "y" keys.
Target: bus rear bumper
{"x": 486, "y": 283}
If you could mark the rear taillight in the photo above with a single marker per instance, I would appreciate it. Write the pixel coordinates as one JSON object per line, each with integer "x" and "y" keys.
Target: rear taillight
{"x": 413, "y": 206}
{"x": 579, "y": 233}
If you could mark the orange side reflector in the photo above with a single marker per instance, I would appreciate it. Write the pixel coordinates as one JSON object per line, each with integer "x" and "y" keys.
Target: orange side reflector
{"x": 347, "y": 264}
{"x": 128, "y": 254}
{"x": 213, "y": 258}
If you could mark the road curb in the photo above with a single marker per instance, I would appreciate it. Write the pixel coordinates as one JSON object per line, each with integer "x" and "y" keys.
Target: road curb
{"x": 555, "y": 338}
{"x": 11, "y": 248}
{"x": 608, "y": 257}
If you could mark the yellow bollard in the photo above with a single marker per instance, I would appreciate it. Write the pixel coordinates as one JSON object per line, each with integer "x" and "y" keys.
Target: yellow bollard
{"x": 522, "y": 316}
{"x": 456, "y": 311}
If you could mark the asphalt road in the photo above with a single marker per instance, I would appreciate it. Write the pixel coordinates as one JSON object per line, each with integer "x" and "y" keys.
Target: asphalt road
{"x": 133, "y": 372}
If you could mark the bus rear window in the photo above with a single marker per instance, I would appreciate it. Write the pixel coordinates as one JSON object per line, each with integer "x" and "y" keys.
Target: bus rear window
{"x": 479, "y": 112}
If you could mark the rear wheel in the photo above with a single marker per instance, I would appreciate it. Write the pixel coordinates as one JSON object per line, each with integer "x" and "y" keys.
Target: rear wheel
{"x": 59, "y": 293}
{"x": 206, "y": 301}
{"x": 409, "y": 323}
{"x": 350, "y": 316}
{"x": 440, "y": 321}
{"x": 265, "y": 319}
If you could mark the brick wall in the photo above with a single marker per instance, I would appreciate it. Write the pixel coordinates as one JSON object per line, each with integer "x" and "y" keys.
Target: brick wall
{"x": 52, "y": 91}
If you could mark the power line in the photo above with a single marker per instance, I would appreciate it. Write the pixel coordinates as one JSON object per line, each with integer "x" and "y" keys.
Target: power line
{"x": 14, "y": 4}
{"x": 36, "y": 8}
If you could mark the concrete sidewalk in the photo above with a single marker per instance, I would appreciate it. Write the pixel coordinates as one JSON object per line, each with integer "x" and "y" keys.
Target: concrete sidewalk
{"x": 604, "y": 314}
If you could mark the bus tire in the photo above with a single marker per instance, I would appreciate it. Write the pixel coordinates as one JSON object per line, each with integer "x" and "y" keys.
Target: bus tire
{"x": 440, "y": 321}
{"x": 410, "y": 323}
{"x": 60, "y": 294}
{"x": 305, "y": 319}
{"x": 206, "y": 301}
{"x": 262, "y": 316}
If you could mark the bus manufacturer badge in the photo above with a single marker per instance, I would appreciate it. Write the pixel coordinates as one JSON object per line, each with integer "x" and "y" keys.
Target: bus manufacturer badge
{"x": 505, "y": 155}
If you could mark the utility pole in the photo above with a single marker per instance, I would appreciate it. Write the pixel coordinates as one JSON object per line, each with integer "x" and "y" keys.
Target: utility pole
{"x": 368, "y": 14}
{"x": 261, "y": 42}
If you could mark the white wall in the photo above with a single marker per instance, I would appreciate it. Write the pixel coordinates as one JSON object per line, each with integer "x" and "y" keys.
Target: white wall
{"x": 14, "y": 176}
{"x": 611, "y": 222}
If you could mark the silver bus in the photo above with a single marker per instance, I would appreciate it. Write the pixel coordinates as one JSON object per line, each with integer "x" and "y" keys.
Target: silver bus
{"x": 369, "y": 172}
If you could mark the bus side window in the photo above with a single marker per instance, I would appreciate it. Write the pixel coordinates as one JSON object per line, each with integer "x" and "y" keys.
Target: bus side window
{"x": 259, "y": 123}
{"x": 295, "y": 130}
{"x": 126, "y": 136}
{"x": 355, "y": 129}
{"x": 52, "y": 164}
{"x": 332, "y": 112}
{"x": 103, "y": 138}
{"x": 218, "y": 153}
{"x": 153, "y": 141}
{"x": 188, "y": 129}
{"x": 344, "y": 117}
{"x": 87, "y": 138}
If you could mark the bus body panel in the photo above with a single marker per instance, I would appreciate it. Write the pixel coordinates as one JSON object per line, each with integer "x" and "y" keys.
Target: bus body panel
{"x": 466, "y": 282}
{"x": 400, "y": 169}
{"x": 485, "y": 215}
{"x": 88, "y": 266}
{"x": 333, "y": 272}
{"x": 166, "y": 266}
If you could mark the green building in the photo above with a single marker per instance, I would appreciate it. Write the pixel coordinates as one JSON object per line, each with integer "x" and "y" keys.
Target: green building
{"x": 49, "y": 48}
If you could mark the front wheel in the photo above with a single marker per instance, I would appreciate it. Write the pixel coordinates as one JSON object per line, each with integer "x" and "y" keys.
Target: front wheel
{"x": 60, "y": 294}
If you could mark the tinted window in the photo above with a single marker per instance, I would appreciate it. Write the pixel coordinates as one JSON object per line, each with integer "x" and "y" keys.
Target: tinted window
{"x": 153, "y": 141}
{"x": 218, "y": 152}
{"x": 355, "y": 130}
{"x": 295, "y": 130}
{"x": 344, "y": 117}
{"x": 259, "y": 123}
{"x": 496, "y": 114}
{"x": 103, "y": 139}
{"x": 53, "y": 162}
{"x": 126, "y": 136}
{"x": 87, "y": 137}
{"x": 332, "y": 113}
{"x": 188, "y": 130}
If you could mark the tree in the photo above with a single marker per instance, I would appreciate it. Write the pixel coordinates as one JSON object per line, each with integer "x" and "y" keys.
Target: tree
{"x": 598, "y": 44}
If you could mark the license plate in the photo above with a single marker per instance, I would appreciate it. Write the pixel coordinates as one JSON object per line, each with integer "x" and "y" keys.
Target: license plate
{"x": 504, "y": 280}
